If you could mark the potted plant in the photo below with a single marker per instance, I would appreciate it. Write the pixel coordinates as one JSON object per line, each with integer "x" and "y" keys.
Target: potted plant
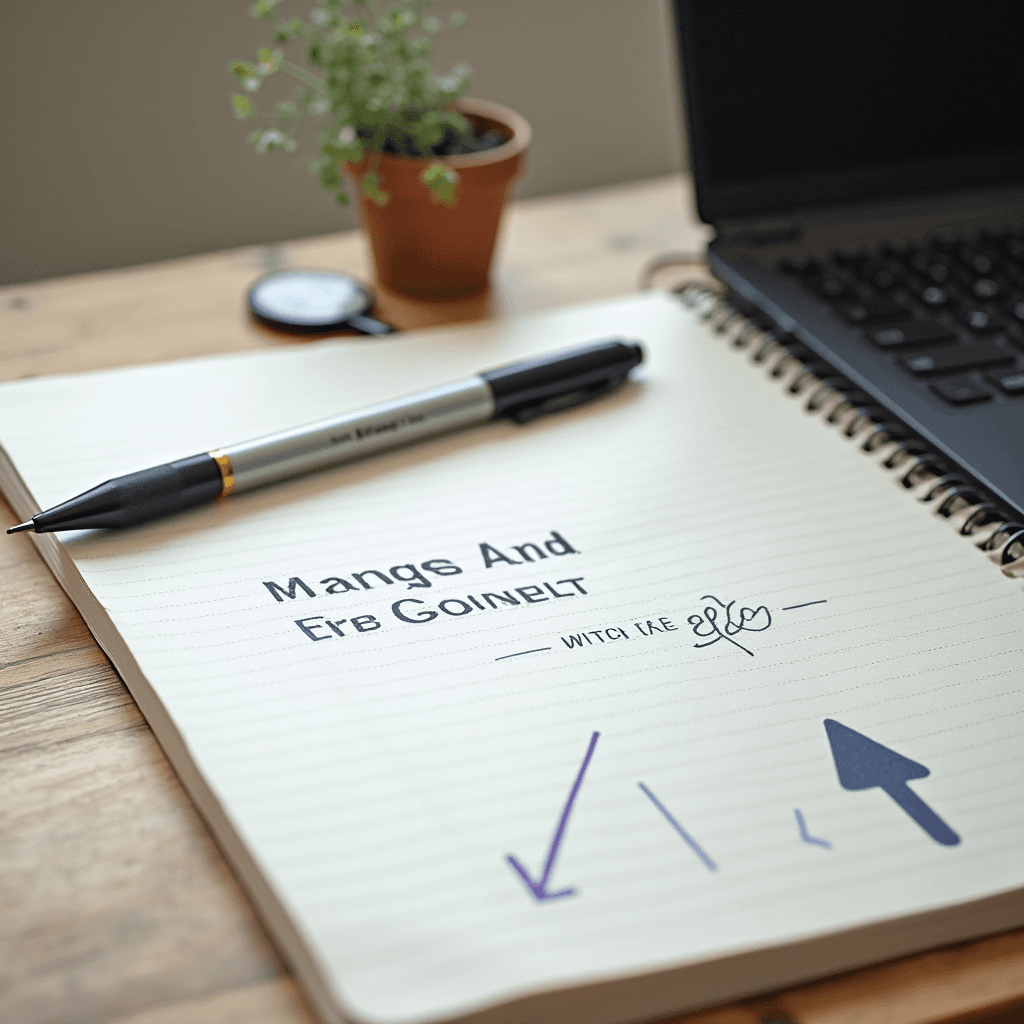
{"x": 432, "y": 169}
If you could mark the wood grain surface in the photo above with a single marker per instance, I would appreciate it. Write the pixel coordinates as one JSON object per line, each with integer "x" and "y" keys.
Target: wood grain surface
{"x": 115, "y": 906}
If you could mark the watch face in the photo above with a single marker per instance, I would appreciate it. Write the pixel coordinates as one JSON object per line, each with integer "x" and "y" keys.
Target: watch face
{"x": 308, "y": 299}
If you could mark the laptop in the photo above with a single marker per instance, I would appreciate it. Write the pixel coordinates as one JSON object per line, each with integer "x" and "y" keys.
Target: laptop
{"x": 863, "y": 168}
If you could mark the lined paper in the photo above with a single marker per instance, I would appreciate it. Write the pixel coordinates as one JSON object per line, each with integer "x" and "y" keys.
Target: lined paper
{"x": 389, "y": 780}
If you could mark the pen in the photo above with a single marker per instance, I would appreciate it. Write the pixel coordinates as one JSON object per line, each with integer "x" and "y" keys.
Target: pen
{"x": 521, "y": 392}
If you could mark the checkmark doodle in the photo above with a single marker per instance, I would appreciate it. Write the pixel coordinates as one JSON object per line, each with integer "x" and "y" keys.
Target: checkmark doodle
{"x": 539, "y": 888}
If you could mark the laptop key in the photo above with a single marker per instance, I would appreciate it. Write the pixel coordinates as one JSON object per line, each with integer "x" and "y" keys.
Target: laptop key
{"x": 928, "y": 265}
{"x": 976, "y": 260}
{"x": 960, "y": 391}
{"x": 833, "y": 288}
{"x": 933, "y": 295}
{"x": 1010, "y": 382}
{"x": 1014, "y": 248}
{"x": 1016, "y": 309}
{"x": 1013, "y": 273}
{"x": 912, "y": 332}
{"x": 981, "y": 321}
{"x": 875, "y": 310}
{"x": 879, "y": 277}
{"x": 978, "y": 355}
{"x": 806, "y": 266}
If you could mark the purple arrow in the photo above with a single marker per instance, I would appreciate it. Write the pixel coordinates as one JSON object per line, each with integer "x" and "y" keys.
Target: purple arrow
{"x": 861, "y": 763}
{"x": 539, "y": 889}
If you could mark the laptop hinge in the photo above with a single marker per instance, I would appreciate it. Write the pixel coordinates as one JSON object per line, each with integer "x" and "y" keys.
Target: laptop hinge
{"x": 759, "y": 231}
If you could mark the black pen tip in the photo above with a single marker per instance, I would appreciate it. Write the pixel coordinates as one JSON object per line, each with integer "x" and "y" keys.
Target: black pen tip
{"x": 22, "y": 526}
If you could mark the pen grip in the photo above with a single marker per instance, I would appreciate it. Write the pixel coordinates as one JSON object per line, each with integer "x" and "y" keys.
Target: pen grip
{"x": 138, "y": 497}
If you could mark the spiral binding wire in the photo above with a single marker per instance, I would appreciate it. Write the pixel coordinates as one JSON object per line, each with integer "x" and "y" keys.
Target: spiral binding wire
{"x": 839, "y": 404}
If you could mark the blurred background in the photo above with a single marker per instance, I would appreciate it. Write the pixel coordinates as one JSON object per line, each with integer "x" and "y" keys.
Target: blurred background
{"x": 119, "y": 144}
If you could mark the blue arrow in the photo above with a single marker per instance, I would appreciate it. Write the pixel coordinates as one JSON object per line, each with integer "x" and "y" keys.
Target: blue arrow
{"x": 861, "y": 763}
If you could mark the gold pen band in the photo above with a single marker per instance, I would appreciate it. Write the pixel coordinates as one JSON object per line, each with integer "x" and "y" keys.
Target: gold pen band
{"x": 227, "y": 472}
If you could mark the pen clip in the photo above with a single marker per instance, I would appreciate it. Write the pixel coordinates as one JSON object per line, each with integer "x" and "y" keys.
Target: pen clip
{"x": 569, "y": 399}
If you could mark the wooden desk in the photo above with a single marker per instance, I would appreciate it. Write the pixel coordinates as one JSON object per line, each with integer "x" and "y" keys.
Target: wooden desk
{"x": 114, "y": 904}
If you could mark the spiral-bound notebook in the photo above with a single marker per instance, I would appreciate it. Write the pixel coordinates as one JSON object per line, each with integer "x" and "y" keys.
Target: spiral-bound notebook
{"x": 694, "y": 692}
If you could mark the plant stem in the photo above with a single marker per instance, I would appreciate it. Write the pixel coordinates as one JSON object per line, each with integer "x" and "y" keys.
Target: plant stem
{"x": 303, "y": 76}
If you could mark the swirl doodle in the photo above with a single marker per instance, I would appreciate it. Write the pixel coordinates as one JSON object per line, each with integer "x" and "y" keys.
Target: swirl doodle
{"x": 722, "y": 621}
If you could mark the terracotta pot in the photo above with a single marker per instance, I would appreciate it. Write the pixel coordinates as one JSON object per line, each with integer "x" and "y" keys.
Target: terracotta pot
{"x": 429, "y": 250}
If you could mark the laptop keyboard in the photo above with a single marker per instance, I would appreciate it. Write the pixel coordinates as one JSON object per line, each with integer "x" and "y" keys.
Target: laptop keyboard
{"x": 951, "y": 313}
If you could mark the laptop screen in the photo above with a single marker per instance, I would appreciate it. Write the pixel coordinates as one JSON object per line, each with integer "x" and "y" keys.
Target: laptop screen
{"x": 807, "y": 103}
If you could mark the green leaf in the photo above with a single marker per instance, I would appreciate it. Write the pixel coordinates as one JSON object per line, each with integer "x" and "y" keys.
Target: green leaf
{"x": 263, "y": 8}
{"x": 289, "y": 30}
{"x": 264, "y": 55}
{"x": 372, "y": 190}
{"x": 458, "y": 124}
{"x": 330, "y": 176}
{"x": 342, "y": 145}
{"x": 242, "y": 105}
{"x": 442, "y": 181}
{"x": 240, "y": 69}
{"x": 351, "y": 151}
{"x": 342, "y": 198}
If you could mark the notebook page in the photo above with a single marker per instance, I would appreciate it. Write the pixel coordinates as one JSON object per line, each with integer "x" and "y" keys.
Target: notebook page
{"x": 565, "y": 761}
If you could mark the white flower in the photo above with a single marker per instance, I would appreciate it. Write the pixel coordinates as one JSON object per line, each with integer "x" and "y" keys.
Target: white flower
{"x": 319, "y": 16}
{"x": 347, "y": 135}
{"x": 251, "y": 84}
{"x": 271, "y": 137}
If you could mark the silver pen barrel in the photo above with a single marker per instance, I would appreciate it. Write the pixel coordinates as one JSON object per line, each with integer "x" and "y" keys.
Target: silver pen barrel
{"x": 353, "y": 435}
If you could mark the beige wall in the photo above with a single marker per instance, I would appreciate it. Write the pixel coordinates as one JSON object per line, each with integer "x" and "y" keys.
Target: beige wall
{"x": 117, "y": 144}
